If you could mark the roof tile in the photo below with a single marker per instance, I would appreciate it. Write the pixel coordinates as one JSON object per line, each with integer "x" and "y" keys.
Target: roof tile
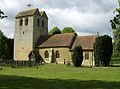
{"x": 86, "y": 42}
{"x": 26, "y": 13}
{"x": 57, "y": 40}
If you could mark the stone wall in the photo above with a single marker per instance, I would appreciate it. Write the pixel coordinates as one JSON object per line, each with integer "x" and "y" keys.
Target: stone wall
{"x": 90, "y": 61}
{"x": 64, "y": 54}
{"x": 23, "y": 39}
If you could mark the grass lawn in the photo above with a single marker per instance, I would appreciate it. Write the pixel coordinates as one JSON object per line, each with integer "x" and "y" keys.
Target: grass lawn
{"x": 52, "y": 76}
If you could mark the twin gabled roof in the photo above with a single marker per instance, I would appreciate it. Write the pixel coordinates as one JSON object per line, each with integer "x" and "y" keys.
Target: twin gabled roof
{"x": 69, "y": 40}
{"x": 30, "y": 13}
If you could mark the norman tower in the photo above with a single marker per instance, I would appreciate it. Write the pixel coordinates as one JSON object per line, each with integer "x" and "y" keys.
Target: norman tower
{"x": 29, "y": 26}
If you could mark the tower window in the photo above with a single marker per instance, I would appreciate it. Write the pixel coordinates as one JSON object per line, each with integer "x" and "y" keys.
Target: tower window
{"x": 57, "y": 54}
{"x": 42, "y": 23}
{"x": 46, "y": 54}
{"x": 26, "y": 21}
{"x": 23, "y": 32}
{"x": 38, "y": 22}
{"x": 20, "y": 22}
{"x": 87, "y": 56}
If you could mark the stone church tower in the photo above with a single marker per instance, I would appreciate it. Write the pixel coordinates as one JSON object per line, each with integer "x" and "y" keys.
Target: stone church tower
{"x": 29, "y": 26}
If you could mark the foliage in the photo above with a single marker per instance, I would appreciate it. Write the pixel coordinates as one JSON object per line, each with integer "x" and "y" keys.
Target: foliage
{"x": 115, "y": 61}
{"x": 68, "y": 30}
{"x": 115, "y": 24}
{"x": 77, "y": 57}
{"x": 4, "y": 48}
{"x": 55, "y": 30}
{"x": 103, "y": 50}
{"x": 2, "y": 15}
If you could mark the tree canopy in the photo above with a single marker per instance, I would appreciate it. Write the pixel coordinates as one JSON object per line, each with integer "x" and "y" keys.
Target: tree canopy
{"x": 115, "y": 24}
{"x": 4, "y": 46}
{"x": 68, "y": 30}
{"x": 103, "y": 50}
{"x": 55, "y": 30}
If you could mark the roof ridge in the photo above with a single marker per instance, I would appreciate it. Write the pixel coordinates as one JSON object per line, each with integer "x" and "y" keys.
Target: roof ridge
{"x": 88, "y": 36}
{"x": 65, "y": 33}
{"x": 27, "y": 12}
{"x": 30, "y": 9}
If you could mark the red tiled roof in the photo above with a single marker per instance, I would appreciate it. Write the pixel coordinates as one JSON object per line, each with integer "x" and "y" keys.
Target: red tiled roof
{"x": 57, "y": 40}
{"x": 86, "y": 42}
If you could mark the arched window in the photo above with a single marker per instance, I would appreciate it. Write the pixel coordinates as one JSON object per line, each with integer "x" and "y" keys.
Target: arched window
{"x": 87, "y": 56}
{"x": 38, "y": 22}
{"x": 57, "y": 54}
{"x": 26, "y": 21}
{"x": 20, "y": 22}
{"x": 46, "y": 54}
{"x": 42, "y": 23}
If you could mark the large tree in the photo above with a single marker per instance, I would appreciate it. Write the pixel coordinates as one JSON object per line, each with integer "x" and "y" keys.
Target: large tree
{"x": 103, "y": 50}
{"x": 115, "y": 24}
{"x": 55, "y": 30}
{"x": 4, "y": 46}
{"x": 68, "y": 30}
{"x": 77, "y": 57}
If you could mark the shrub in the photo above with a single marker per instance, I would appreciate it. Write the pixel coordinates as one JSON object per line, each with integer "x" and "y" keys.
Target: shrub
{"x": 77, "y": 57}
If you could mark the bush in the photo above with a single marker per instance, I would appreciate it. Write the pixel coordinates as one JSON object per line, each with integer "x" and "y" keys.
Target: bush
{"x": 77, "y": 57}
{"x": 103, "y": 50}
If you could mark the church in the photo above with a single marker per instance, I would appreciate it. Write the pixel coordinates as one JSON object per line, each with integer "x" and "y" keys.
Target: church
{"x": 31, "y": 41}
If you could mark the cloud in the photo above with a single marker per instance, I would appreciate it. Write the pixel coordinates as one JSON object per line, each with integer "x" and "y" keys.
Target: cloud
{"x": 85, "y": 16}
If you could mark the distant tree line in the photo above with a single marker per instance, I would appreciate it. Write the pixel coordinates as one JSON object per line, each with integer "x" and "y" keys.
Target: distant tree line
{"x": 56, "y": 30}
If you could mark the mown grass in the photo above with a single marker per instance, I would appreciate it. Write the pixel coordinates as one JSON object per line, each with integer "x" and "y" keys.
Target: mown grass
{"x": 53, "y": 76}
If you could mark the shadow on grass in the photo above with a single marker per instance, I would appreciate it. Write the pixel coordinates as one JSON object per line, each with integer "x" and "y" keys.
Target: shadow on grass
{"x": 17, "y": 82}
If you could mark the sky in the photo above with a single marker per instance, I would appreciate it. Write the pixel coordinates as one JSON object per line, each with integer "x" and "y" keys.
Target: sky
{"x": 86, "y": 17}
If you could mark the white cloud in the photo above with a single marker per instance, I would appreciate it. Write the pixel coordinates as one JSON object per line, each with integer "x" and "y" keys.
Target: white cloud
{"x": 88, "y": 22}
{"x": 85, "y": 16}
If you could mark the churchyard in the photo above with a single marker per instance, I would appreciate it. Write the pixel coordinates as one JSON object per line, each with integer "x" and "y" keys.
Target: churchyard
{"x": 52, "y": 76}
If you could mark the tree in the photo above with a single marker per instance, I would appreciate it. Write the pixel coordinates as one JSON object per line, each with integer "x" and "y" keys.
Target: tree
{"x": 77, "y": 57}
{"x": 68, "y": 30}
{"x": 115, "y": 24}
{"x": 103, "y": 50}
{"x": 55, "y": 30}
{"x": 2, "y": 15}
{"x": 4, "y": 48}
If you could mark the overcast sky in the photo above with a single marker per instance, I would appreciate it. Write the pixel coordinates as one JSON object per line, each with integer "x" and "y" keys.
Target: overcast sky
{"x": 85, "y": 16}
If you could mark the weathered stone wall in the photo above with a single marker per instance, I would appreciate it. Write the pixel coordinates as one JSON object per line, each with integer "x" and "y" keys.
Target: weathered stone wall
{"x": 64, "y": 54}
{"x": 26, "y": 36}
{"x": 39, "y": 30}
{"x": 90, "y": 61}
{"x": 23, "y": 39}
